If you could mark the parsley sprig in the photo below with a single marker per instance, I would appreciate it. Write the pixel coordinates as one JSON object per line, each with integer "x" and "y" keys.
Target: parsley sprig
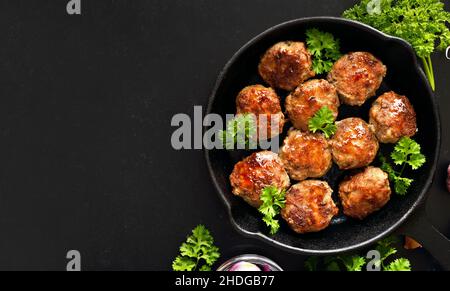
{"x": 406, "y": 153}
{"x": 323, "y": 121}
{"x": 240, "y": 131}
{"x": 401, "y": 264}
{"x": 355, "y": 263}
{"x": 423, "y": 23}
{"x": 273, "y": 200}
{"x": 198, "y": 253}
{"x": 352, "y": 263}
{"x": 324, "y": 48}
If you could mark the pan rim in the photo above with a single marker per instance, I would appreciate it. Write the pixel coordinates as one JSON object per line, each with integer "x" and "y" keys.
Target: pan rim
{"x": 425, "y": 189}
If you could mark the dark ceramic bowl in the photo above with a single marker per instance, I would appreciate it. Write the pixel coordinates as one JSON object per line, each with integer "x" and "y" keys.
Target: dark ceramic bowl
{"x": 404, "y": 76}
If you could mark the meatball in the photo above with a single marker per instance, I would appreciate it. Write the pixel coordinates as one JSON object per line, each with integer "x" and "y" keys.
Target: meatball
{"x": 256, "y": 172}
{"x": 306, "y": 155}
{"x": 260, "y": 100}
{"x": 357, "y": 76}
{"x": 365, "y": 192}
{"x": 353, "y": 145}
{"x": 392, "y": 117}
{"x": 309, "y": 206}
{"x": 286, "y": 65}
{"x": 307, "y": 99}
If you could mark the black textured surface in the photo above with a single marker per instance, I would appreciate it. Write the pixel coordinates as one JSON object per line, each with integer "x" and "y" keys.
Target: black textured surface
{"x": 86, "y": 103}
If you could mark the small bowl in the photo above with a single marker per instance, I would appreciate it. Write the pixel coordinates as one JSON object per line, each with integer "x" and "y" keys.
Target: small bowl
{"x": 250, "y": 258}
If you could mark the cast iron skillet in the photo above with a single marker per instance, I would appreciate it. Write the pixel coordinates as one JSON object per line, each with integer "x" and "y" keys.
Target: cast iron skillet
{"x": 404, "y": 76}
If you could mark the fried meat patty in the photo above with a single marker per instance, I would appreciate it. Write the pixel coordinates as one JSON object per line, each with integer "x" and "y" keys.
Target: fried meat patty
{"x": 286, "y": 65}
{"x": 357, "y": 76}
{"x": 309, "y": 206}
{"x": 251, "y": 175}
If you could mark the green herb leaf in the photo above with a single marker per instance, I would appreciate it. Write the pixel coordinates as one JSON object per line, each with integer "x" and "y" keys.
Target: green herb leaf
{"x": 385, "y": 166}
{"x": 384, "y": 247}
{"x": 353, "y": 263}
{"x": 240, "y": 131}
{"x": 401, "y": 264}
{"x": 423, "y": 23}
{"x": 356, "y": 263}
{"x": 323, "y": 121}
{"x": 324, "y": 48}
{"x": 273, "y": 201}
{"x": 205, "y": 268}
{"x": 183, "y": 264}
{"x": 401, "y": 185}
{"x": 198, "y": 248}
{"x": 408, "y": 151}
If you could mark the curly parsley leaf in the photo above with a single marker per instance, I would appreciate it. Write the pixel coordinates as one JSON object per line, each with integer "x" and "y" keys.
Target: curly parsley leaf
{"x": 273, "y": 200}
{"x": 401, "y": 264}
{"x": 423, "y": 23}
{"x": 323, "y": 121}
{"x": 401, "y": 185}
{"x": 384, "y": 247}
{"x": 356, "y": 263}
{"x": 183, "y": 264}
{"x": 353, "y": 263}
{"x": 386, "y": 166}
{"x": 198, "y": 248}
{"x": 240, "y": 131}
{"x": 324, "y": 48}
{"x": 205, "y": 268}
{"x": 406, "y": 152}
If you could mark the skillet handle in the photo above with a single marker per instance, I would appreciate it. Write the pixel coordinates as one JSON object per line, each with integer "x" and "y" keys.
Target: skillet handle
{"x": 437, "y": 244}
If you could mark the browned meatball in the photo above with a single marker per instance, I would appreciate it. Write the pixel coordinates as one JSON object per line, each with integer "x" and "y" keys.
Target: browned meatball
{"x": 309, "y": 206}
{"x": 357, "y": 76}
{"x": 256, "y": 172}
{"x": 306, "y": 155}
{"x": 353, "y": 145}
{"x": 365, "y": 192}
{"x": 307, "y": 99}
{"x": 392, "y": 117}
{"x": 286, "y": 65}
{"x": 260, "y": 100}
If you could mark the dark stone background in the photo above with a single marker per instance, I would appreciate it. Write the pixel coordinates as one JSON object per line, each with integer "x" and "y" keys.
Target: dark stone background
{"x": 85, "y": 109}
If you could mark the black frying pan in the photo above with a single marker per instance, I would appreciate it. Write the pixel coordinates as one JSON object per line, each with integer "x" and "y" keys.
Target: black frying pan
{"x": 404, "y": 76}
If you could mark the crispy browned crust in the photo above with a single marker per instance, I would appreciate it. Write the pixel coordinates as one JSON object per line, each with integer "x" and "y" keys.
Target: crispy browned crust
{"x": 364, "y": 193}
{"x": 354, "y": 145}
{"x": 260, "y": 100}
{"x": 309, "y": 206}
{"x": 256, "y": 172}
{"x": 357, "y": 76}
{"x": 306, "y": 155}
{"x": 392, "y": 117}
{"x": 286, "y": 65}
{"x": 307, "y": 99}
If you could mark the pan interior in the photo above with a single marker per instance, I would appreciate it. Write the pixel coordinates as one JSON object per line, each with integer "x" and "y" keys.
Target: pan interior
{"x": 403, "y": 77}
